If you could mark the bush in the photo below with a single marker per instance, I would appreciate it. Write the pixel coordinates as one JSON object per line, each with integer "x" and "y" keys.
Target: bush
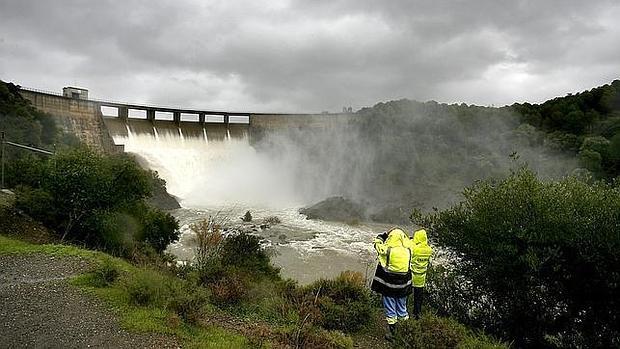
{"x": 105, "y": 274}
{"x": 245, "y": 252}
{"x": 159, "y": 228}
{"x": 344, "y": 303}
{"x": 539, "y": 259}
{"x": 430, "y": 332}
{"x": 318, "y": 338}
{"x": 188, "y": 302}
{"x": 146, "y": 287}
{"x": 229, "y": 290}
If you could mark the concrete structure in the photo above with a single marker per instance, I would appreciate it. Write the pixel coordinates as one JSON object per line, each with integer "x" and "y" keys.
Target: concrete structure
{"x": 75, "y": 92}
{"x": 76, "y": 116}
{"x": 94, "y": 122}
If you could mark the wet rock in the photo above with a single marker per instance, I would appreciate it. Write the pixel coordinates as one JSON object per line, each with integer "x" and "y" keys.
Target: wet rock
{"x": 336, "y": 209}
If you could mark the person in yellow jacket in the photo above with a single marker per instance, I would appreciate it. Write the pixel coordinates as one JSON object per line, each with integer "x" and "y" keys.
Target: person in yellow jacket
{"x": 401, "y": 270}
{"x": 422, "y": 253}
{"x": 393, "y": 277}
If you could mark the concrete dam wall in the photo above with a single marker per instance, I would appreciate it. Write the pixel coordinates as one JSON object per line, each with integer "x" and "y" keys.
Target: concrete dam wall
{"x": 97, "y": 123}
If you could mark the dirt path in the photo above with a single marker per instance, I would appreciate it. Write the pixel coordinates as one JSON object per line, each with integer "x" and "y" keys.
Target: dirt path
{"x": 39, "y": 309}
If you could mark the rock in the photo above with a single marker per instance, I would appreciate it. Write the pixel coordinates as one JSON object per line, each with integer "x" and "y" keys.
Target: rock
{"x": 160, "y": 198}
{"x": 336, "y": 209}
{"x": 391, "y": 214}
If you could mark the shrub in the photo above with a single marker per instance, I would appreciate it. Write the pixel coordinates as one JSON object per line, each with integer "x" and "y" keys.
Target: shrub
{"x": 229, "y": 290}
{"x": 345, "y": 303}
{"x": 429, "y": 332}
{"x": 105, "y": 274}
{"x": 208, "y": 260}
{"x": 539, "y": 258}
{"x": 188, "y": 302}
{"x": 159, "y": 228}
{"x": 146, "y": 287}
{"x": 245, "y": 252}
{"x": 312, "y": 337}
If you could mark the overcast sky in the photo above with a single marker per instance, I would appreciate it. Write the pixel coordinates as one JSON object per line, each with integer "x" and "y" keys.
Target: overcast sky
{"x": 314, "y": 55}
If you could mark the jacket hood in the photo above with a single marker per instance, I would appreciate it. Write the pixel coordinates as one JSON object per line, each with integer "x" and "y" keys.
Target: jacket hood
{"x": 396, "y": 237}
{"x": 419, "y": 237}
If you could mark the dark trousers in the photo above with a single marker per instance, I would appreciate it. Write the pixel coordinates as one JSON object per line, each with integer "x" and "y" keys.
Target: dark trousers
{"x": 417, "y": 301}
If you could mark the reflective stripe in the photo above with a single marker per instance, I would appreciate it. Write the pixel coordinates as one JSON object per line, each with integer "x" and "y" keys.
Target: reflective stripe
{"x": 378, "y": 279}
{"x": 387, "y": 258}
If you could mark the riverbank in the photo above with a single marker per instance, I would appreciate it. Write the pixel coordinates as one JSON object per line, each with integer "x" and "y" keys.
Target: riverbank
{"x": 119, "y": 304}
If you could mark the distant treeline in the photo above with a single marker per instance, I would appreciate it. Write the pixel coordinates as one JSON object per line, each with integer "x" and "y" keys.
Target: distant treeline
{"x": 587, "y": 123}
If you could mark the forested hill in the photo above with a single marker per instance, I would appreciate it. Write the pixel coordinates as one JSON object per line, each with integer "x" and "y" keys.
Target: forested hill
{"x": 587, "y": 123}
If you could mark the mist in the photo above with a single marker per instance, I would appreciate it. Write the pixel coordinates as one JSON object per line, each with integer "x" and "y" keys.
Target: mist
{"x": 405, "y": 154}
{"x": 389, "y": 158}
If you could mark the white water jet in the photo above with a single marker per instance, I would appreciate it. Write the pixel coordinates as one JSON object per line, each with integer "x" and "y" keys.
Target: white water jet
{"x": 218, "y": 174}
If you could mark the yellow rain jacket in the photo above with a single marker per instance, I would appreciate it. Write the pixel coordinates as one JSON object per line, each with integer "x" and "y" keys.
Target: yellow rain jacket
{"x": 398, "y": 244}
{"x": 422, "y": 253}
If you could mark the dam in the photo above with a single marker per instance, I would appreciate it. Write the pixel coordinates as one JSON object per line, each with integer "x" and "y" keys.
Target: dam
{"x": 96, "y": 122}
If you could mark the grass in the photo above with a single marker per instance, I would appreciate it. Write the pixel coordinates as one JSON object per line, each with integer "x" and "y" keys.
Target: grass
{"x": 142, "y": 319}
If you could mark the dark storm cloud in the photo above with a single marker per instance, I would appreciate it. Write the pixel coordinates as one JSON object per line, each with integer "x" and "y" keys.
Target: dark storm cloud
{"x": 311, "y": 55}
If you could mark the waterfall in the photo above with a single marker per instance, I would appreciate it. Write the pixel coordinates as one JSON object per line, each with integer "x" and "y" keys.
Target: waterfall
{"x": 207, "y": 173}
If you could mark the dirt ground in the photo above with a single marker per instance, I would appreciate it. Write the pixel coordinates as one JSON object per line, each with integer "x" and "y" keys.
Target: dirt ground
{"x": 38, "y": 309}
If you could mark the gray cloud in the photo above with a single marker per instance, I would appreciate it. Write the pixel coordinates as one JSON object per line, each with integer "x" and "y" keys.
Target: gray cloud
{"x": 311, "y": 55}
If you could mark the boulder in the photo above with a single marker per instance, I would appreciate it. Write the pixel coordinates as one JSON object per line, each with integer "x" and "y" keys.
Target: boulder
{"x": 336, "y": 209}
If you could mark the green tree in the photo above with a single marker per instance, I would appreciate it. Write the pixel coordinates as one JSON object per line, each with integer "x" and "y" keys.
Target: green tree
{"x": 538, "y": 260}
{"x": 96, "y": 199}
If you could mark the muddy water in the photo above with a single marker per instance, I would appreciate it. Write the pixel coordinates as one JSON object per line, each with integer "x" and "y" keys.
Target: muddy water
{"x": 304, "y": 250}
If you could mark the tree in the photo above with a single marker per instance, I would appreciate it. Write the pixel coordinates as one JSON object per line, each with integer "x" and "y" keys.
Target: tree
{"x": 540, "y": 258}
{"x": 96, "y": 199}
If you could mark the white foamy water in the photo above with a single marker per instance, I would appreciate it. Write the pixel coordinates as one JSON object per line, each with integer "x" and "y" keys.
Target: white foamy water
{"x": 223, "y": 179}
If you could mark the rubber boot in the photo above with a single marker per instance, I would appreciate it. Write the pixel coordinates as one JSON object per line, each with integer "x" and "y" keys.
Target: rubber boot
{"x": 391, "y": 332}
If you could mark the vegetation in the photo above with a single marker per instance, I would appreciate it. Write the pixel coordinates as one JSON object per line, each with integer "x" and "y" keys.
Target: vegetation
{"x": 436, "y": 332}
{"x": 586, "y": 122}
{"x": 95, "y": 199}
{"x": 536, "y": 261}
